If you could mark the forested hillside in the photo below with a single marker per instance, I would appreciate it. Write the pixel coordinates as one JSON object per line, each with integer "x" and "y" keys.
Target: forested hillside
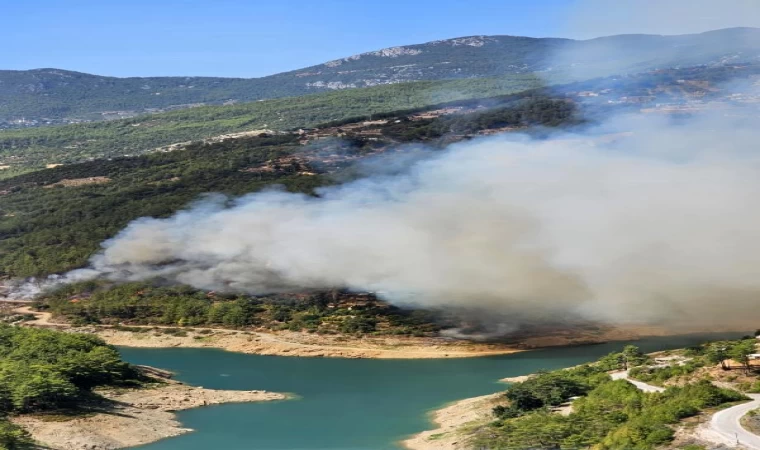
{"x": 52, "y": 220}
{"x": 36, "y": 95}
{"x": 606, "y": 414}
{"x": 72, "y": 143}
{"x": 27, "y": 149}
{"x": 322, "y": 312}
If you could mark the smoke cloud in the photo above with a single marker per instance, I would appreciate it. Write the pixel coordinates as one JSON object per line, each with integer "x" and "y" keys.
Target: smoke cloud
{"x": 652, "y": 224}
{"x": 626, "y": 36}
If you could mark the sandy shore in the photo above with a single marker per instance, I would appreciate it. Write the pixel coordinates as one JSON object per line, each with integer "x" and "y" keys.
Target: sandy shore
{"x": 449, "y": 421}
{"x": 305, "y": 344}
{"x": 283, "y": 343}
{"x": 288, "y": 343}
{"x": 518, "y": 379}
{"x": 130, "y": 417}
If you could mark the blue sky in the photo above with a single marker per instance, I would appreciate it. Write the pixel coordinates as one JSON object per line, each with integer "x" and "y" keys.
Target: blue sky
{"x": 250, "y": 38}
{"x": 244, "y": 38}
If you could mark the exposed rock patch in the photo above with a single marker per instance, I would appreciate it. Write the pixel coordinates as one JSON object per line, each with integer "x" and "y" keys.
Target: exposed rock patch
{"x": 79, "y": 182}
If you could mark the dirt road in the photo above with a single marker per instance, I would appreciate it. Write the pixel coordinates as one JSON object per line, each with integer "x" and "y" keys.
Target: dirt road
{"x": 42, "y": 318}
{"x": 642, "y": 386}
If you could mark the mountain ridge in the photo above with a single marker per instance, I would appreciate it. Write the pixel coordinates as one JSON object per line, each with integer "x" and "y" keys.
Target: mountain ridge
{"x": 51, "y": 96}
{"x": 454, "y": 41}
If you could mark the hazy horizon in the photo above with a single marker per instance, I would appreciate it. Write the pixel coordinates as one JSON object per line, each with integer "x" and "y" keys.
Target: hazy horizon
{"x": 345, "y": 56}
{"x": 230, "y": 39}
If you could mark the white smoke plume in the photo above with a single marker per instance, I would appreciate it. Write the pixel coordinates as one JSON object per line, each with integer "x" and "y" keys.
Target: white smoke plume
{"x": 626, "y": 36}
{"x": 656, "y": 223}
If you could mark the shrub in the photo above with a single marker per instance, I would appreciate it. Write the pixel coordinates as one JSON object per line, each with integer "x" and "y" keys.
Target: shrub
{"x": 612, "y": 415}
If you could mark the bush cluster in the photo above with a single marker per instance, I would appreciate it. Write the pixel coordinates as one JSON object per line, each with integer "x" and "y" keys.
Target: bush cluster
{"x": 608, "y": 415}
{"x": 43, "y": 370}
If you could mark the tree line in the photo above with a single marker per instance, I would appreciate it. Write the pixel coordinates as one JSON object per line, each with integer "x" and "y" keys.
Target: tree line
{"x": 325, "y": 312}
{"x": 44, "y": 370}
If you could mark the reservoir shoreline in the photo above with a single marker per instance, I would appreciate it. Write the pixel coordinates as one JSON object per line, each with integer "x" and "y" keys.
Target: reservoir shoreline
{"x": 448, "y": 420}
{"x": 329, "y": 385}
{"x": 302, "y": 344}
{"x": 283, "y": 343}
{"x": 124, "y": 418}
{"x": 334, "y": 393}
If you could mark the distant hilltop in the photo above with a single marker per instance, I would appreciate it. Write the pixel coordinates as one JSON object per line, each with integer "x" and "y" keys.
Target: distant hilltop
{"x": 52, "y": 96}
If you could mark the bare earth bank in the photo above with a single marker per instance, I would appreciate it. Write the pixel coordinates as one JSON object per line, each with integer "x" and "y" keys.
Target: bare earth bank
{"x": 131, "y": 417}
{"x": 449, "y": 421}
{"x": 282, "y": 343}
{"x": 305, "y": 344}
{"x": 288, "y": 343}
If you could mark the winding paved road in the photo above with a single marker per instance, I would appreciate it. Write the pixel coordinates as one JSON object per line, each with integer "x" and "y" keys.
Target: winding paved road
{"x": 724, "y": 426}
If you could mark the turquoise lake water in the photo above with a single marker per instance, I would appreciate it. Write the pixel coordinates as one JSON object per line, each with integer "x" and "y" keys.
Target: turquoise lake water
{"x": 344, "y": 404}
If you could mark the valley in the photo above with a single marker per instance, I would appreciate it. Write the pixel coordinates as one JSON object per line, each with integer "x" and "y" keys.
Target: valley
{"x": 317, "y": 258}
{"x": 54, "y": 219}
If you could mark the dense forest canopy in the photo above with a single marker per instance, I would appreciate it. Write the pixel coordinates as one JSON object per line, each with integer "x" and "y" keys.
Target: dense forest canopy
{"x": 323, "y": 312}
{"x": 44, "y": 370}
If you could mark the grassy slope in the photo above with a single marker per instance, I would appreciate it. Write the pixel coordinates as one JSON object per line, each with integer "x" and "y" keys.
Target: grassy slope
{"x": 72, "y": 143}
